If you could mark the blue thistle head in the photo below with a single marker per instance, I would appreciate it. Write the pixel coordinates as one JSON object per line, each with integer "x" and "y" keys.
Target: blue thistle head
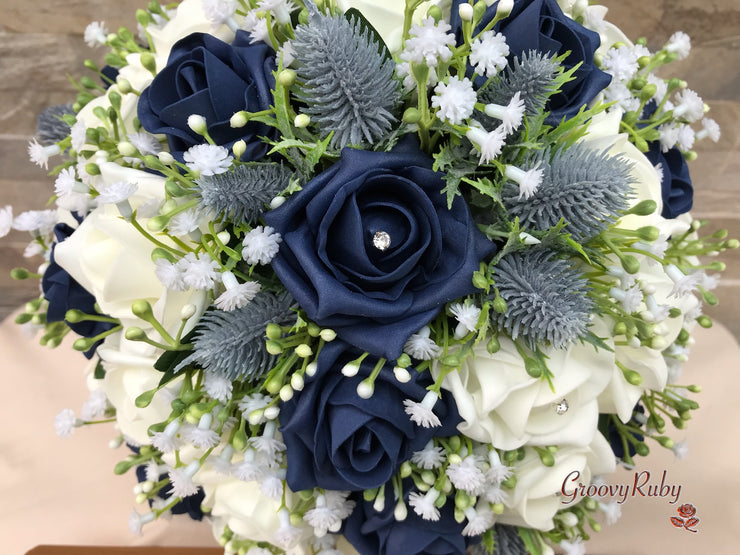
{"x": 242, "y": 194}
{"x": 546, "y": 298}
{"x": 586, "y": 188}
{"x": 50, "y": 127}
{"x": 232, "y": 344}
{"x": 534, "y": 76}
{"x": 348, "y": 86}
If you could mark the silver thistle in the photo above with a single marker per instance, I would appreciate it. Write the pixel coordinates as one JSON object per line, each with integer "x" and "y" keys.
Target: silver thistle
{"x": 586, "y": 188}
{"x": 242, "y": 194}
{"x": 546, "y": 298}
{"x": 50, "y": 127}
{"x": 232, "y": 344}
{"x": 348, "y": 86}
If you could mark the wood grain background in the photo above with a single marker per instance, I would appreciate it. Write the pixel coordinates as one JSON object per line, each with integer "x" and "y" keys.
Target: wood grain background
{"x": 41, "y": 45}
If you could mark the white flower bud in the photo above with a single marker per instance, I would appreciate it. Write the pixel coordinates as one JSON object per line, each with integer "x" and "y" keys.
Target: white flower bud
{"x": 197, "y": 123}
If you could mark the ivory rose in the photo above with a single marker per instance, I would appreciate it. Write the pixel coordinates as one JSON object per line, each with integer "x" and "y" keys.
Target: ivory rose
{"x": 534, "y": 500}
{"x": 387, "y": 16}
{"x": 501, "y": 404}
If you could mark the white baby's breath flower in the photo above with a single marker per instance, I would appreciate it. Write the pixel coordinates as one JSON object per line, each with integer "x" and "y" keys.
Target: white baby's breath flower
{"x": 420, "y": 413}
{"x": 217, "y": 386}
{"x": 454, "y": 100}
{"x": 488, "y": 53}
{"x": 145, "y": 143}
{"x": 208, "y": 159}
{"x": 430, "y": 457}
{"x": 40, "y": 154}
{"x": 511, "y": 115}
{"x": 466, "y": 475}
{"x": 256, "y": 27}
{"x": 36, "y": 221}
{"x": 186, "y": 221}
{"x": 612, "y": 511}
{"x": 689, "y": 105}
{"x": 198, "y": 273}
{"x": 182, "y": 480}
{"x": 218, "y": 12}
{"x": 619, "y": 92}
{"x": 280, "y": 9}
{"x": 686, "y": 137}
{"x": 479, "y": 520}
{"x": 423, "y": 504}
{"x": 78, "y": 134}
{"x": 116, "y": 192}
{"x": 679, "y": 44}
{"x": 529, "y": 181}
{"x": 261, "y": 245}
{"x": 171, "y": 275}
{"x": 621, "y": 63}
{"x": 65, "y": 422}
{"x": 419, "y": 345}
{"x": 430, "y": 42}
{"x": 6, "y": 220}
{"x": 573, "y": 547}
{"x": 96, "y": 34}
{"x": 237, "y": 296}
{"x": 680, "y": 450}
{"x": 95, "y": 405}
{"x": 136, "y": 521}
{"x": 489, "y": 143}
{"x": 287, "y": 535}
{"x": 709, "y": 128}
{"x": 467, "y": 317}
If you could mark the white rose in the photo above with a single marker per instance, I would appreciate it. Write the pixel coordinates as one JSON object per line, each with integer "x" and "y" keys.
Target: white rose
{"x": 534, "y": 500}
{"x": 112, "y": 260}
{"x": 501, "y": 404}
{"x": 386, "y": 16}
{"x": 188, "y": 18}
{"x": 245, "y": 509}
{"x": 138, "y": 77}
{"x": 620, "y": 396}
{"x": 128, "y": 375}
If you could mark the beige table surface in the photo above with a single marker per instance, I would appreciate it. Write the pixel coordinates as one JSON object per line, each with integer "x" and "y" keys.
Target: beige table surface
{"x": 55, "y": 491}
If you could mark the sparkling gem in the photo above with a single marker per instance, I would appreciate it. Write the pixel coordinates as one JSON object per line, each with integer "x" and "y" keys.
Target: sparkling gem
{"x": 381, "y": 240}
{"x": 562, "y": 407}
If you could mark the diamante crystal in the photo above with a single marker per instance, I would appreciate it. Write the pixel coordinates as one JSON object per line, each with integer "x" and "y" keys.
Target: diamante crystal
{"x": 562, "y": 407}
{"x": 381, "y": 240}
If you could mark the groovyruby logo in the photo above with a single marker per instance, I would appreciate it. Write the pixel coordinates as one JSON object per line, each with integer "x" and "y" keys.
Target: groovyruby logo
{"x": 687, "y": 520}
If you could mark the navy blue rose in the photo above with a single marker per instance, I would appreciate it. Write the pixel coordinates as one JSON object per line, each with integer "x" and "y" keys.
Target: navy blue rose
{"x": 541, "y": 25}
{"x": 337, "y": 440}
{"x": 379, "y": 533}
{"x": 675, "y": 183}
{"x": 64, "y": 293}
{"x": 371, "y": 250}
{"x": 213, "y": 79}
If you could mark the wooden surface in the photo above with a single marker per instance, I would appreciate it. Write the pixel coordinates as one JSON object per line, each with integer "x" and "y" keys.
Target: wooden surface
{"x": 109, "y": 550}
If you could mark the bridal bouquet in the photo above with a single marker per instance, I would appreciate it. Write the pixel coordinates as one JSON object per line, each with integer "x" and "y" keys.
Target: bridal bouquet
{"x": 374, "y": 276}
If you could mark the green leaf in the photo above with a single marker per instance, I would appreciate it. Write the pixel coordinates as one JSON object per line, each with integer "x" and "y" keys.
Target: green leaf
{"x": 596, "y": 341}
{"x": 99, "y": 373}
{"x": 355, "y": 16}
{"x": 169, "y": 360}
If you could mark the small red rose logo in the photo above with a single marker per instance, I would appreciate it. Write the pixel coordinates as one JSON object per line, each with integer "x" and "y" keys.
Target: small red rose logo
{"x": 687, "y": 511}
